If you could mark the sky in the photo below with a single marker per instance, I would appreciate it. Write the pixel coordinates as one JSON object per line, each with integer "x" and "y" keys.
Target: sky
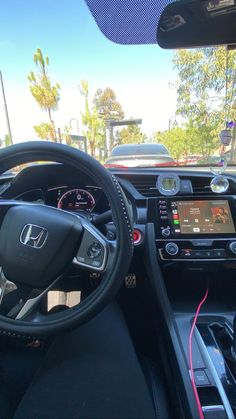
{"x": 67, "y": 33}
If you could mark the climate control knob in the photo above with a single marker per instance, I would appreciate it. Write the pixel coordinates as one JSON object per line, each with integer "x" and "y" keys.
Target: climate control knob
{"x": 171, "y": 249}
{"x": 232, "y": 247}
{"x": 165, "y": 232}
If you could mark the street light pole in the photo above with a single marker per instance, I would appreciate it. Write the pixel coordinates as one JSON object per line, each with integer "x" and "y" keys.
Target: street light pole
{"x": 77, "y": 123}
{"x": 109, "y": 136}
{"x": 6, "y": 110}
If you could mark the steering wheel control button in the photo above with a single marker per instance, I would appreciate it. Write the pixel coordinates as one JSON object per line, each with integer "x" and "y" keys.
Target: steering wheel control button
{"x": 171, "y": 249}
{"x": 165, "y": 232}
{"x": 94, "y": 250}
{"x": 232, "y": 247}
{"x": 92, "y": 253}
{"x": 111, "y": 235}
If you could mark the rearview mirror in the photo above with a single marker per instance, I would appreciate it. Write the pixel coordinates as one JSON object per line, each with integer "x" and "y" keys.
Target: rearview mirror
{"x": 185, "y": 24}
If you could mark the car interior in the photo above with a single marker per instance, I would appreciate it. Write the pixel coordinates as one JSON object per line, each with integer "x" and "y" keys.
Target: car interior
{"x": 117, "y": 284}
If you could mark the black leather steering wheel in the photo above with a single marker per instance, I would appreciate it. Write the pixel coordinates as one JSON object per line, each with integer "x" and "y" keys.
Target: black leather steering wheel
{"x": 38, "y": 243}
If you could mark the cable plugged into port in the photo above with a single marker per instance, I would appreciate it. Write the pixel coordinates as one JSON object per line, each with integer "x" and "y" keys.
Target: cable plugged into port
{"x": 199, "y": 407}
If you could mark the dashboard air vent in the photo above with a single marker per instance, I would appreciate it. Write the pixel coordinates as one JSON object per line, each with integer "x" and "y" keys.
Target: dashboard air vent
{"x": 145, "y": 185}
{"x": 201, "y": 185}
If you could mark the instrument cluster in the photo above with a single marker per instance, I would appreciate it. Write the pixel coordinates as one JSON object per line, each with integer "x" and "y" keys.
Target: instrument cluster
{"x": 81, "y": 198}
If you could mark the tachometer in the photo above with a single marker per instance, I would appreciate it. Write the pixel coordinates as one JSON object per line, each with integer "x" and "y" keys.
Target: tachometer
{"x": 76, "y": 199}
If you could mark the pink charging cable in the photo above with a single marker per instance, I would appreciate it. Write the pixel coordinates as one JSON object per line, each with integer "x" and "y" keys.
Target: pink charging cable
{"x": 201, "y": 416}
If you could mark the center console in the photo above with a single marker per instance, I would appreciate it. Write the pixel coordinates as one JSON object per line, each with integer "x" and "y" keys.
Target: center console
{"x": 192, "y": 229}
{"x": 202, "y": 230}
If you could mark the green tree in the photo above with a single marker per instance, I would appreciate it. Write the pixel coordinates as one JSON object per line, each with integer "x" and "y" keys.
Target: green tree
{"x": 222, "y": 64}
{"x": 175, "y": 140}
{"x": 130, "y": 135}
{"x": 7, "y": 140}
{"x": 107, "y": 105}
{"x": 183, "y": 142}
{"x": 45, "y": 131}
{"x": 108, "y": 108}
{"x": 203, "y": 138}
{"x": 92, "y": 121}
{"x": 201, "y": 92}
{"x": 43, "y": 90}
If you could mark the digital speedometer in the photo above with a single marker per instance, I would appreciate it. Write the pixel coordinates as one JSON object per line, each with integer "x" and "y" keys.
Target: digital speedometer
{"x": 76, "y": 200}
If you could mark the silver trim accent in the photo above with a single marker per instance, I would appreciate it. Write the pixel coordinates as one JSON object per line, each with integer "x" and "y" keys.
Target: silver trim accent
{"x": 215, "y": 376}
{"x": 130, "y": 280}
{"x": 67, "y": 186}
{"x": 168, "y": 192}
{"x": 102, "y": 241}
{"x": 3, "y": 281}
{"x": 16, "y": 197}
{"x": 35, "y": 239}
{"x": 57, "y": 187}
{"x": 170, "y": 239}
{"x": 193, "y": 260}
{"x": 230, "y": 247}
{"x": 188, "y": 239}
{"x": 13, "y": 202}
{"x": 27, "y": 307}
{"x": 6, "y": 287}
{"x": 217, "y": 407}
{"x": 175, "y": 246}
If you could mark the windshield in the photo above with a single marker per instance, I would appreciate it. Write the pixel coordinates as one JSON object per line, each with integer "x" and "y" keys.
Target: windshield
{"x": 62, "y": 80}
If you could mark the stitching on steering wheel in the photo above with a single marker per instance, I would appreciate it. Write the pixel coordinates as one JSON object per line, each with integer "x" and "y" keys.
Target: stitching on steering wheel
{"x": 125, "y": 212}
{"x": 17, "y": 335}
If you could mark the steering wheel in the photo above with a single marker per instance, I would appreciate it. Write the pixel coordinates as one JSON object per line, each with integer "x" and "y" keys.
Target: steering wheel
{"x": 38, "y": 243}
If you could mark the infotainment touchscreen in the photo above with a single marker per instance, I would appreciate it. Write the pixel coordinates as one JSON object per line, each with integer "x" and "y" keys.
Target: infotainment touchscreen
{"x": 202, "y": 217}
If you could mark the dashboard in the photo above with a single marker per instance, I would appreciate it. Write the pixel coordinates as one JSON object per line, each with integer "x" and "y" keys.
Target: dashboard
{"x": 55, "y": 185}
{"x": 194, "y": 224}
{"x": 75, "y": 198}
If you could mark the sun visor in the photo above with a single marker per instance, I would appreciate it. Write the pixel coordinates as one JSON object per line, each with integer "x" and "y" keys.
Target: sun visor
{"x": 128, "y": 21}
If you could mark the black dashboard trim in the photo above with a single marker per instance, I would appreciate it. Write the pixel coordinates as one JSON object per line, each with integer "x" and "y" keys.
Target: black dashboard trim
{"x": 181, "y": 377}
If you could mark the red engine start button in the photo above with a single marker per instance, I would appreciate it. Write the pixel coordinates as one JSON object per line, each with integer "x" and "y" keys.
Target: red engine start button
{"x": 137, "y": 236}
